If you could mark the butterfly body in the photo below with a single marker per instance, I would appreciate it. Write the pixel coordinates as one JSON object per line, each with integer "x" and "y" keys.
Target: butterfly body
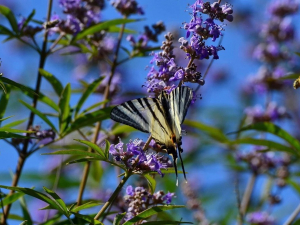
{"x": 161, "y": 116}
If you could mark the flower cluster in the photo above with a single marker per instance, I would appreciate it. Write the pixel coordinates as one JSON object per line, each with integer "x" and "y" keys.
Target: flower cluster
{"x": 193, "y": 203}
{"x": 38, "y": 136}
{"x": 262, "y": 162}
{"x": 168, "y": 72}
{"x": 272, "y": 113}
{"x": 80, "y": 15}
{"x": 139, "y": 199}
{"x": 266, "y": 79}
{"x": 260, "y": 218}
{"x": 127, "y": 7}
{"x": 141, "y": 44}
{"x": 136, "y": 159}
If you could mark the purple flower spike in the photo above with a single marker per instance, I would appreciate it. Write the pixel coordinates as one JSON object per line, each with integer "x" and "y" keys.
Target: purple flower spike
{"x": 260, "y": 218}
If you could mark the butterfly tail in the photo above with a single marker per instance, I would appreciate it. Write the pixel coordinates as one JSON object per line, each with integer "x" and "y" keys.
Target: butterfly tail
{"x": 175, "y": 166}
{"x": 182, "y": 166}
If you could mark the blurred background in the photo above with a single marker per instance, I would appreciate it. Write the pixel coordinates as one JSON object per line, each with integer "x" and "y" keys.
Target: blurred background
{"x": 211, "y": 170}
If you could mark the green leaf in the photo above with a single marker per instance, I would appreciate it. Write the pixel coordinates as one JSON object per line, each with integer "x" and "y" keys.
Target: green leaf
{"x": 115, "y": 29}
{"x": 297, "y": 53}
{"x": 15, "y": 123}
{"x": 86, "y": 206}
{"x": 101, "y": 26}
{"x": 26, "y": 214}
{"x": 40, "y": 114}
{"x": 58, "y": 201}
{"x": 262, "y": 142}
{"x": 150, "y": 212}
{"x": 9, "y": 199}
{"x": 13, "y": 217}
{"x": 121, "y": 129}
{"x": 88, "y": 219}
{"x": 118, "y": 218}
{"x": 3, "y": 102}
{"x": 35, "y": 194}
{"x": 75, "y": 152}
{"x": 89, "y": 119}
{"x": 107, "y": 146}
{"x": 64, "y": 108}
{"x": 15, "y": 84}
{"x": 11, "y": 130}
{"x": 165, "y": 222}
{"x": 57, "y": 86}
{"x": 151, "y": 182}
{"x": 6, "y": 118}
{"x": 89, "y": 90}
{"x": 11, "y": 135}
{"x": 10, "y": 17}
{"x": 93, "y": 107}
{"x": 290, "y": 77}
{"x": 276, "y": 130}
{"x": 2, "y": 85}
{"x": 93, "y": 146}
{"x": 28, "y": 19}
{"x": 213, "y": 132}
{"x": 5, "y": 31}
{"x": 43, "y": 98}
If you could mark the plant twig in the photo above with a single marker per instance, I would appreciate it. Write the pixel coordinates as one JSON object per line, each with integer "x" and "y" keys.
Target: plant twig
{"x": 113, "y": 196}
{"x": 98, "y": 126}
{"x": 293, "y": 216}
{"x": 247, "y": 194}
{"x": 23, "y": 154}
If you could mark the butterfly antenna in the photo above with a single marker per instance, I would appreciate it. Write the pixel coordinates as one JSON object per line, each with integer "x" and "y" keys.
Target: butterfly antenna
{"x": 175, "y": 166}
{"x": 182, "y": 166}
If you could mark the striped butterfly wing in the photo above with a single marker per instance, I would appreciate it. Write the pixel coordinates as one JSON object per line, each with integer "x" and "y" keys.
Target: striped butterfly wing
{"x": 144, "y": 114}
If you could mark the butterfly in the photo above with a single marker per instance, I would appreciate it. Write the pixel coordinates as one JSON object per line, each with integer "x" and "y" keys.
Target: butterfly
{"x": 161, "y": 117}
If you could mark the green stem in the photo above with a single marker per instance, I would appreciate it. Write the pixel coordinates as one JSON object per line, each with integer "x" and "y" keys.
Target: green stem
{"x": 99, "y": 124}
{"x": 23, "y": 155}
{"x": 293, "y": 216}
{"x": 247, "y": 194}
{"x": 113, "y": 196}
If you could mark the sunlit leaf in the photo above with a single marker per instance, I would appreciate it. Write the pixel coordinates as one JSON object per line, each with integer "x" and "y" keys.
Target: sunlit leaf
{"x": 13, "y": 217}
{"x": 87, "y": 205}
{"x": 10, "y": 17}
{"x": 88, "y": 218}
{"x": 64, "y": 108}
{"x": 11, "y": 130}
{"x": 118, "y": 218}
{"x": 40, "y": 114}
{"x": 89, "y": 90}
{"x": 107, "y": 146}
{"x": 5, "y": 118}
{"x": 15, "y": 84}
{"x": 56, "y": 84}
{"x": 3, "y": 102}
{"x": 213, "y": 132}
{"x": 89, "y": 119}
{"x": 58, "y": 200}
{"x": 93, "y": 107}
{"x": 150, "y": 212}
{"x": 276, "y": 130}
{"x": 151, "y": 182}
{"x": 15, "y": 123}
{"x": 101, "y": 26}
{"x": 93, "y": 146}
{"x": 9, "y": 199}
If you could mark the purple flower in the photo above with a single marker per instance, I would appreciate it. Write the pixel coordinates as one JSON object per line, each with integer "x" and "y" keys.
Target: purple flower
{"x": 260, "y": 218}
{"x": 282, "y": 8}
{"x": 129, "y": 190}
{"x": 127, "y": 7}
{"x": 168, "y": 197}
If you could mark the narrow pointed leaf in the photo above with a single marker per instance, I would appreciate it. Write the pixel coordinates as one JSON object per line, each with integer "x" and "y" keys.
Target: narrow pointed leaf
{"x": 93, "y": 107}
{"x": 40, "y": 114}
{"x": 101, "y": 26}
{"x": 58, "y": 200}
{"x": 86, "y": 206}
{"x": 64, "y": 108}
{"x": 15, "y": 123}
{"x": 35, "y": 194}
{"x": 118, "y": 218}
{"x": 3, "y": 102}
{"x": 28, "y": 19}
{"x": 15, "y": 84}
{"x": 120, "y": 129}
{"x": 276, "y": 130}
{"x": 151, "y": 182}
{"x": 93, "y": 146}
{"x": 107, "y": 146}
{"x": 56, "y": 85}
{"x": 5, "y": 11}
{"x": 4, "y": 30}
{"x": 4, "y": 134}
{"x": 9, "y": 199}
{"x": 150, "y": 212}
{"x": 89, "y": 119}
{"x": 75, "y": 152}
{"x": 209, "y": 130}
{"x": 5, "y": 118}
{"x": 88, "y": 219}
{"x": 26, "y": 214}
{"x": 11, "y": 130}
{"x": 89, "y": 90}
{"x": 262, "y": 142}
{"x": 13, "y": 217}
